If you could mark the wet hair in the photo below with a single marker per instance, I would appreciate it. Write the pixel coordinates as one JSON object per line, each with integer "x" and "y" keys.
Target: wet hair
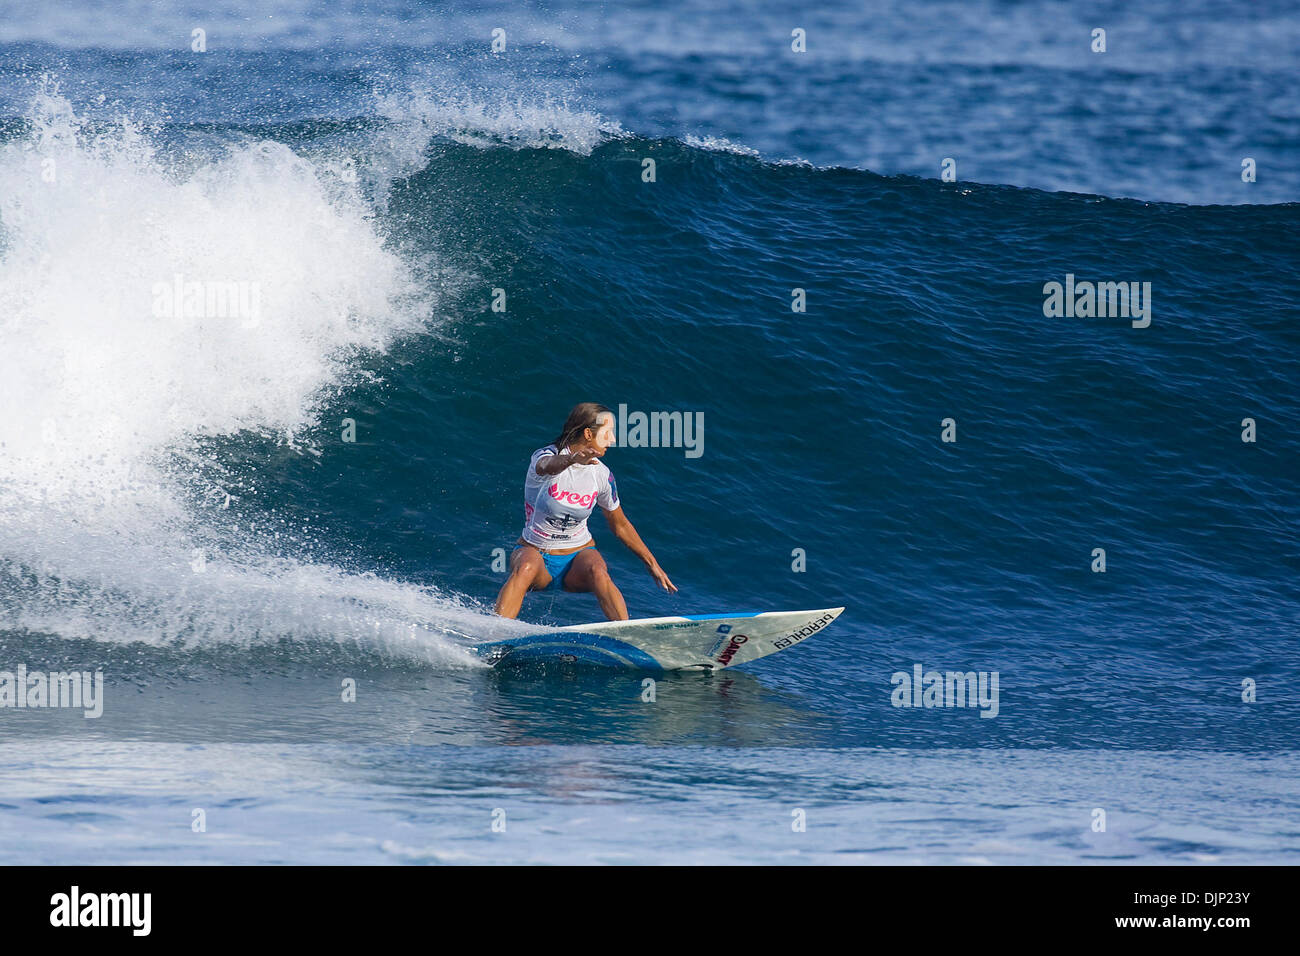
{"x": 584, "y": 415}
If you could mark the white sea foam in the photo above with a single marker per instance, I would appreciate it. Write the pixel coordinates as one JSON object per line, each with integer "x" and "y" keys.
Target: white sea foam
{"x": 101, "y": 396}
{"x": 505, "y": 118}
{"x": 720, "y": 144}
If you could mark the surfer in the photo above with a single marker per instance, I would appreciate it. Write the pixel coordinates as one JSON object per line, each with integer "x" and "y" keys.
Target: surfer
{"x": 565, "y": 481}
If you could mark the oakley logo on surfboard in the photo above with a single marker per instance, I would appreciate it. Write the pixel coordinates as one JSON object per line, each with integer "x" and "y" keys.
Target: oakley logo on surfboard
{"x": 730, "y": 650}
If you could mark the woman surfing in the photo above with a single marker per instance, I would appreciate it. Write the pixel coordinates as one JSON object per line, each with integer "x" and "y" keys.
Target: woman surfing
{"x": 565, "y": 481}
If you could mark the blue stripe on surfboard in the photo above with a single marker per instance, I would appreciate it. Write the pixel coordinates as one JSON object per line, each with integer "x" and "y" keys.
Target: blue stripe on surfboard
{"x": 596, "y": 648}
{"x": 719, "y": 617}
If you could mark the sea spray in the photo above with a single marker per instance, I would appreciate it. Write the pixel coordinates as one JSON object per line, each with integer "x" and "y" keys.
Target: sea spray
{"x": 102, "y": 393}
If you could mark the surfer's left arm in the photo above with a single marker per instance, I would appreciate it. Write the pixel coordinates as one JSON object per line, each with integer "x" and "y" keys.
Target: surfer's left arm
{"x": 624, "y": 531}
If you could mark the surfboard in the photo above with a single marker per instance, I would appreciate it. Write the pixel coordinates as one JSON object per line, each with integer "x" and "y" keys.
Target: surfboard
{"x": 695, "y": 641}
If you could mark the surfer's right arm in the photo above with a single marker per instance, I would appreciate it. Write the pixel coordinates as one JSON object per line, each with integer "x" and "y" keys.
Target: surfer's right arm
{"x": 554, "y": 464}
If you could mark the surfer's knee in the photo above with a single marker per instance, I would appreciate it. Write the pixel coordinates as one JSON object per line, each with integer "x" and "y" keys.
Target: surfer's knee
{"x": 529, "y": 568}
{"x": 585, "y": 572}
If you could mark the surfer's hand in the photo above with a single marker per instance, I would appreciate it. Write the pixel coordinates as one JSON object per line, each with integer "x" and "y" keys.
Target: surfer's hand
{"x": 584, "y": 457}
{"x": 657, "y": 573}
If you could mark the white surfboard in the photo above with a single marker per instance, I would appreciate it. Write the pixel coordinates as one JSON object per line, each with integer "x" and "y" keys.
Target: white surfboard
{"x": 701, "y": 641}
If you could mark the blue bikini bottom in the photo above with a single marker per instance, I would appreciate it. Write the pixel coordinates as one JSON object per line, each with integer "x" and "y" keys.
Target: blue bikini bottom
{"x": 558, "y": 566}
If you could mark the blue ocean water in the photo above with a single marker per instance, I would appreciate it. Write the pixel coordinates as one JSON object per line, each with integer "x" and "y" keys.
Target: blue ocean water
{"x": 182, "y": 508}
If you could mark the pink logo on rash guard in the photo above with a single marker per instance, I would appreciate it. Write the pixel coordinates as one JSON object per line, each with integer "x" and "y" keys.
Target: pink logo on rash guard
{"x": 571, "y": 497}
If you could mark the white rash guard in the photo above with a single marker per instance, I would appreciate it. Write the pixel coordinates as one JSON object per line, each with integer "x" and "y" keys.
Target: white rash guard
{"x": 556, "y": 507}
